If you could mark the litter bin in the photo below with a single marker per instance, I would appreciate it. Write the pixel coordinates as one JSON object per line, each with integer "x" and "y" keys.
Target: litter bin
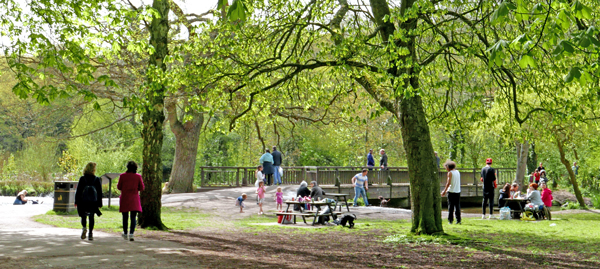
{"x": 64, "y": 195}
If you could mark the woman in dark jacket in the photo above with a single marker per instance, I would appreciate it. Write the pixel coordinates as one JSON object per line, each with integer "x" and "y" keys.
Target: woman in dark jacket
{"x": 86, "y": 202}
{"x": 301, "y": 192}
{"x": 504, "y": 194}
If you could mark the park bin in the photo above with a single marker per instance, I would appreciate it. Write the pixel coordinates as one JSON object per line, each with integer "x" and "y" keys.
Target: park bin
{"x": 64, "y": 195}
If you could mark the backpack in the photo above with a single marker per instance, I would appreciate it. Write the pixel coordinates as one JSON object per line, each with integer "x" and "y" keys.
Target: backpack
{"x": 89, "y": 195}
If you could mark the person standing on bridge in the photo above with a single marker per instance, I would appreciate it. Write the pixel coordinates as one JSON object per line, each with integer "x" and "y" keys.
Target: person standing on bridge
{"x": 453, "y": 190}
{"x": 277, "y": 160}
{"x": 383, "y": 162}
{"x": 370, "y": 160}
{"x": 130, "y": 184}
{"x": 267, "y": 162}
{"x": 488, "y": 177}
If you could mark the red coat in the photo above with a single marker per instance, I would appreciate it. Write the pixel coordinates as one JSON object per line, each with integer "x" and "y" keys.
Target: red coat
{"x": 129, "y": 185}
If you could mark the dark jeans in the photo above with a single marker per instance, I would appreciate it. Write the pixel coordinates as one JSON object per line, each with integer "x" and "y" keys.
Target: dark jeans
{"x": 83, "y": 221}
{"x": 488, "y": 197}
{"x": 268, "y": 179}
{"x": 454, "y": 206}
{"x": 132, "y": 215}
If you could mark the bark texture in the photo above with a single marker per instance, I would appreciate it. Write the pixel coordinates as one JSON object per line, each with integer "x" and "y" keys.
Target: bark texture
{"x": 567, "y": 164}
{"x": 522, "y": 154}
{"x": 152, "y": 119}
{"x": 187, "y": 135}
{"x": 408, "y": 108}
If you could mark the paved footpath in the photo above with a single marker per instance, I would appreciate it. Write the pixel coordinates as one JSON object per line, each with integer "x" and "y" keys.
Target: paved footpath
{"x": 28, "y": 244}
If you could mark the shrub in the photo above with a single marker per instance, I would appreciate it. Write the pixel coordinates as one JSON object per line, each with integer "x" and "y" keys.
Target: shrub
{"x": 34, "y": 188}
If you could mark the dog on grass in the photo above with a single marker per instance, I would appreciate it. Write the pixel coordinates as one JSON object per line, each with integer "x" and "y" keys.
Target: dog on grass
{"x": 383, "y": 201}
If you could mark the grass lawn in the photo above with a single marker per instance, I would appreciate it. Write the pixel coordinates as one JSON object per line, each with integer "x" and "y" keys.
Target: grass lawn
{"x": 570, "y": 240}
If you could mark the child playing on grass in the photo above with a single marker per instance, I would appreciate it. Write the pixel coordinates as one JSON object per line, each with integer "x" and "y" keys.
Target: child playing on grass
{"x": 261, "y": 195}
{"x": 240, "y": 202}
{"x": 279, "y": 199}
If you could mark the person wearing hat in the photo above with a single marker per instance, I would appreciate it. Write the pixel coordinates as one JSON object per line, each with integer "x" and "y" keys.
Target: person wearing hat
{"x": 488, "y": 177}
{"x": 21, "y": 200}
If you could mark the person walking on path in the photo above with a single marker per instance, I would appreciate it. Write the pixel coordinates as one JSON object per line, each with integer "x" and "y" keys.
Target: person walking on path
{"x": 88, "y": 198}
{"x": 267, "y": 162}
{"x": 488, "y": 177}
{"x": 359, "y": 181}
{"x": 541, "y": 167}
{"x": 383, "y": 162}
{"x": 130, "y": 184}
{"x": 277, "y": 160}
{"x": 370, "y": 160}
{"x": 453, "y": 190}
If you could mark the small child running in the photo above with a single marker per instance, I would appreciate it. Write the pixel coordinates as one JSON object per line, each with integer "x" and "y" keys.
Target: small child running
{"x": 279, "y": 199}
{"x": 261, "y": 195}
{"x": 240, "y": 202}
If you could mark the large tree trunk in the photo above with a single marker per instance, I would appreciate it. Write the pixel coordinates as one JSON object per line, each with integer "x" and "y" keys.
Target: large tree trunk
{"x": 408, "y": 108}
{"x": 425, "y": 196}
{"x": 187, "y": 135}
{"x": 522, "y": 153}
{"x": 153, "y": 118}
{"x": 567, "y": 164}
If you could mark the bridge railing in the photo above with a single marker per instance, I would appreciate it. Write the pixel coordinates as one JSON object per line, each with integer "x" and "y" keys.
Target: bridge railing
{"x": 232, "y": 176}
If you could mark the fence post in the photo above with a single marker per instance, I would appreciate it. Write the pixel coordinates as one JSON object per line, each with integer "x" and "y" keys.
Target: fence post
{"x": 237, "y": 175}
{"x": 475, "y": 182}
{"x": 202, "y": 183}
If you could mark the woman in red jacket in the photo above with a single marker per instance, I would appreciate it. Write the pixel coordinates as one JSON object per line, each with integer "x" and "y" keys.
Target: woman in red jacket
{"x": 130, "y": 184}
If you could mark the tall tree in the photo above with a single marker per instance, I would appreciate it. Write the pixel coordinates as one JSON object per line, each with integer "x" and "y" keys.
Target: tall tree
{"x": 153, "y": 116}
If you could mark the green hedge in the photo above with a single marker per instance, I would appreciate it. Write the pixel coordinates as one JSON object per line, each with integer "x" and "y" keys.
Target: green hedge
{"x": 34, "y": 188}
{"x": 38, "y": 188}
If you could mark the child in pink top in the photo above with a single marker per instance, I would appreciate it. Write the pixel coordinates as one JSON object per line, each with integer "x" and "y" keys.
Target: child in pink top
{"x": 279, "y": 199}
{"x": 261, "y": 195}
{"x": 546, "y": 196}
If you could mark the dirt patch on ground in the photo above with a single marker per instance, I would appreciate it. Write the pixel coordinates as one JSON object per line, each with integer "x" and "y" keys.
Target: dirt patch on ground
{"x": 242, "y": 248}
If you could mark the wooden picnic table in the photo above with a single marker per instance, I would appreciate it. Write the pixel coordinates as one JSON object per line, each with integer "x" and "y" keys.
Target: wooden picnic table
{"x": 520, "y": 202}
{"x": 336, "y": 197}
{"x": 303, "y": 214}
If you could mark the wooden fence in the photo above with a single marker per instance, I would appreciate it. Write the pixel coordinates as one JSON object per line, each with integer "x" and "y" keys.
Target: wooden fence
{"x": 228, "y": 176}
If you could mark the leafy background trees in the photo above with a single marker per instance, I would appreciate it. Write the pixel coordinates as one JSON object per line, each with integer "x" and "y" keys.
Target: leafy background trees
{"x": 323, "y": 80}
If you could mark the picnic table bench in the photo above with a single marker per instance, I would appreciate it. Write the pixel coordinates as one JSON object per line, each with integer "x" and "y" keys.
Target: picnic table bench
{"x": 315, "y": 214}
{"x": 520, "y": 202}
{"x": 336, "y": 197}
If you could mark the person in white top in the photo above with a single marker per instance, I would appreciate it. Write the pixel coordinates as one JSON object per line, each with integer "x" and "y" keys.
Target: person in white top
{"x": 260, "y": 177}
{"x": 453, "y": 190}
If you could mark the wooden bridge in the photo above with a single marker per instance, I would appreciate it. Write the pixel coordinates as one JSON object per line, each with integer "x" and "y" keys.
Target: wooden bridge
{"x": 393, "y": 183}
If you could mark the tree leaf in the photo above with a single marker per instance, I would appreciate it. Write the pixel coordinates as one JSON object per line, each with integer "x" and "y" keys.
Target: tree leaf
{"x": 97, "y": 106}
{"x": 574, "y": 73}
{"x": 500, "y": 12}
{"x": 527, "y": 60}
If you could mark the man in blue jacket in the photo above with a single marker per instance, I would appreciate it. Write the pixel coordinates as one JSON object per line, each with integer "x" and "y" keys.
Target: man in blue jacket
{"x": 370, "y": 160}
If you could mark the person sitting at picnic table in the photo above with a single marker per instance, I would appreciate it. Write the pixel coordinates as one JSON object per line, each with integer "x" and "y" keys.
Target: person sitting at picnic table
{"x": 514, "y": 191}
{"x": 21, "y": 200}
{"x": 316, "y": 192}
{"x": 534, "y": 196}
{"x": 302, "y": 192}
{"x": 504, "y": 194}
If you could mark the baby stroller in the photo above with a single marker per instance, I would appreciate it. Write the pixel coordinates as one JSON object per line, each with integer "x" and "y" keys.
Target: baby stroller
{"x": 539, "y": 212}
